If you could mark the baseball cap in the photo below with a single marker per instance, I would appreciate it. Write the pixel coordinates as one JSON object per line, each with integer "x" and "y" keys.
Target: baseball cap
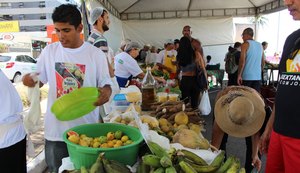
{"x": 95, "y": 14}
{"x": 132, "y": 45}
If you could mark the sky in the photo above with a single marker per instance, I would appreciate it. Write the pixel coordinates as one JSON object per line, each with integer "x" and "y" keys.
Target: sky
{"x": 278, "y": 26}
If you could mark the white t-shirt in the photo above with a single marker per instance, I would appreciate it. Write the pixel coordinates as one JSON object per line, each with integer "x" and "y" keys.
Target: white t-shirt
{"x": 125, "y": 66}
{"x": 161, "y": 55}
{"x": 10, "y": 109}
{"x": 151, "y": 58}
{"x": 66, "y": 69}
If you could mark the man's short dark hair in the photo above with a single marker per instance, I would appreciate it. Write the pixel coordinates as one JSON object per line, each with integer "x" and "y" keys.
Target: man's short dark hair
{"x": 264, "y": 43}
{"x": 67, "y": 13}
{"x": 248, "y": 31}
{"x": 237, "y": 44}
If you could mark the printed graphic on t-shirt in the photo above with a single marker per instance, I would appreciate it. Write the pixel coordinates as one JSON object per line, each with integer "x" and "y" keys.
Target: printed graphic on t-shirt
{"x": 293, "y": 65}
{"x": 120, "y": 61}
{"x": 69, "y": 77}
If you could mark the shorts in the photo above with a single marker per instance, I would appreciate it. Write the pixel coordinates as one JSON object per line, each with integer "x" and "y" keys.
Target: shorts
{"x": 55, "y": 151}
{"x": 283, "y": 154}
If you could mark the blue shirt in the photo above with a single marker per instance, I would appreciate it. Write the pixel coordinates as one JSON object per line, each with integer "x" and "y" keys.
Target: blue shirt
{"x": 252, "y": 68}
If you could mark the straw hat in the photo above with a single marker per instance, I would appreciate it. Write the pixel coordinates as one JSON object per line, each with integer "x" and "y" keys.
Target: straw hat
{"x": 239, "y": 111}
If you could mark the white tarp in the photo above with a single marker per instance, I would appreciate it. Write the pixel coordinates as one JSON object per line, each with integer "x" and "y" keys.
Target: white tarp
{"x": 216, "y": 34}
{"x": 156, "y": 32}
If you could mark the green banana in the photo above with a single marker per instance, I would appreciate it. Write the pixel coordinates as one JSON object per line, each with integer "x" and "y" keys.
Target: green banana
{"x": 143, "y": 168}
{"x": 97, "y": 167}
{"x": 157, "y": 149}
{"x": 242, "y": 170}
{"x": 204, "y": 169}
{"x": 159, "y": 170}
{"x": 83, "y": 170}
{"x": 119, "y": 166}
{"x": 235, "y": 166}
{"x": 165, "y": 161}
{"x": 216, "y": 163}
{"x": 218, "y": 160}
{"x": 151, "y": 160}
{"x": 194, "y": 157}
{"x": 75, "y": 171}
{"x": 109, "y": 169}
{"x": 112, "y": 167}
{"x": 172, "y": 153}
{"x": 170, "y": 169}
{"x": 226, "y": 165}
{"x": 187, "y": 168}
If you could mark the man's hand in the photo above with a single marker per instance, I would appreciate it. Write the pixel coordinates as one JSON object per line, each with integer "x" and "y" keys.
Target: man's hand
{"x": 239, "y": 80}
{"x": 160, "y": 80}
{"x": 28, "y": 81}
{"x": 105, "y": 93}
{"x": 256, "y": 162}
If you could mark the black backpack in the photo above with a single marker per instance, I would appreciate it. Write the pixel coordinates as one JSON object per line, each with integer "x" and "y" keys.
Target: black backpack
{"x": 230, "y": 63}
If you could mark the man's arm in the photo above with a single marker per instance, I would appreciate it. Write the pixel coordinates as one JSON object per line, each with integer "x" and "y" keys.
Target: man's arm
{"x": 217, "y": 135}
{"x": 105, "y": 93}
{"x": 262, "y": 61}
{"x": 265, "y": 137}
{"x": 164, "y": 67}
{"x": 110, "y": 69}
{"x": 242, "y": 61}
{"x": 142, "y": 75}
{"x": 256, "y": 162}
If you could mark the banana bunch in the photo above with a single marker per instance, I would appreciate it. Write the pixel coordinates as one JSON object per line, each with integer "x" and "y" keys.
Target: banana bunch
{"x": 159, "y": 162}
{"x": 103, "y": 165}
{"x": 192, "y": 163}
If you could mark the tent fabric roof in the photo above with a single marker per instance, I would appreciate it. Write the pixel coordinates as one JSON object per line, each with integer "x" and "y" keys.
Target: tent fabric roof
{"x": 158, "y": 9}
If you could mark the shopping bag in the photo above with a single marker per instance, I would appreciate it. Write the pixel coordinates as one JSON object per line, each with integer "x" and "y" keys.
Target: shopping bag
{"x": 32, "y": 118}
{"x": 204, "y": 105}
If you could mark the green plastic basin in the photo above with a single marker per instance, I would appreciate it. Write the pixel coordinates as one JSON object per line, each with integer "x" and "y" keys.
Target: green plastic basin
{"x": 86, "y": 156}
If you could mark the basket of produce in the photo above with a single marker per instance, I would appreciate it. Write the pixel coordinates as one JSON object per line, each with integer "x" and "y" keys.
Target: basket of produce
{"x": 119, "y": 142}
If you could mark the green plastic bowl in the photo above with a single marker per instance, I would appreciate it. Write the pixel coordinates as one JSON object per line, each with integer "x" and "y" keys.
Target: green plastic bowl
{"x": 86, "y": 156}
{"x": 75, "y": 104}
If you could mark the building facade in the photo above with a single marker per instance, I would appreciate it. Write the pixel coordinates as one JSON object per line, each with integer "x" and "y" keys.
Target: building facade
{"x": 33, "y": 15}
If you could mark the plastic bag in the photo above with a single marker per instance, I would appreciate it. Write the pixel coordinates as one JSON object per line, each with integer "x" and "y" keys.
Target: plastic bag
{"x": 32, "y": 118}
{"x": 29, "y": 147}
{"x": 204, "y": 105}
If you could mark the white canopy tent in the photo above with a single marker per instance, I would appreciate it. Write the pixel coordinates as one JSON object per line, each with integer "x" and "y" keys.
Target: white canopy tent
{"x": 151, "y": 9}
{"x": 154, "y": 21}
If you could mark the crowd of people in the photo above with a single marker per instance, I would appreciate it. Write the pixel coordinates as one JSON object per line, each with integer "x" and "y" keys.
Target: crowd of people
{"x": 182, "y": 58}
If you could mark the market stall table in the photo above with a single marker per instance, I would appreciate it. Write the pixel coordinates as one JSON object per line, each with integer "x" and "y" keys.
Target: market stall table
{"x": 219, "y": 75}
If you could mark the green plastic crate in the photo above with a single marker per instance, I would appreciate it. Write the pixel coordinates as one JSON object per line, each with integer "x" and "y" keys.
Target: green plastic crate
{"x": 86, "y": 156}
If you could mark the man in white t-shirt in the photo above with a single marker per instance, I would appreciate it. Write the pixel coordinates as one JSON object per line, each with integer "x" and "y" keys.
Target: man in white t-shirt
{"x": 12, "y": 131}
{"x": 152, "y": 56}
{"x": 127, "y": 67}
{"x": 67, "y": 65}
{"x": 166, "y": 59}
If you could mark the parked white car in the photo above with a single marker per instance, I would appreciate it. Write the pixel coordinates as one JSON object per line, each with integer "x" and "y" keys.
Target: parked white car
{"x": 16, "y": 64}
